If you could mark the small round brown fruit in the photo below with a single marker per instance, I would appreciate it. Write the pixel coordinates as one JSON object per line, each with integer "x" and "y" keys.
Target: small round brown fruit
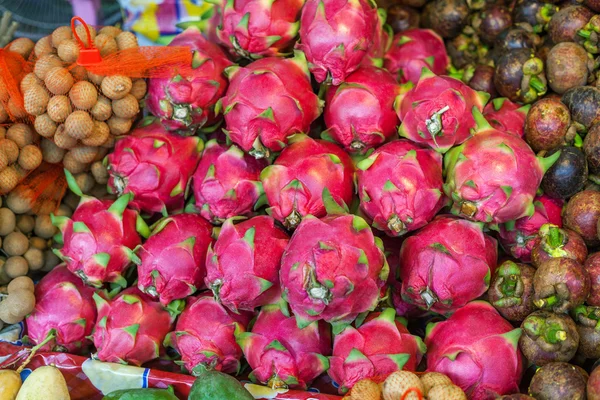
{"x": 43, "y": 47}
{"x": 72, "y": 165}
{"x": 25, "y": 223}
{"x": 44, "y": 64}
{"x": 15, "y": 244}
{"x": 38, "y": 243}
{"x": 111, "y": 31}
{"x": 79, "y": 125}
{"x": 23, "y": 46}
{"x": 30, "y": 157}
{"x": 59, "y": 108}
{"x": 21, "y": 134}
{"x": 84, "y": 95}
{"x": 51, "y": 153}
{"x": 20, "y": 283}
{"x": 44, "y": 125}
{"x": 16, "y": 266}
{"x": 119, "y": 126}
{"x": 126, "y": 40}
{"x": 35, "y": 258}
{"x": 128, "y": 107}
{"x": 82, "y": 33}
{"x": 9, "y": 148}
{"x": 30, "y": 80}
{"x": 9, "y": 179}
{"x": 60, "y": 34}
{"x": 102, "y": 110}
{"x": 59, "y": 80}
{"x": 8, "y": 221}
{"x": 99, "y": 136}
{"x": 63, "y": 140}
{"x": 116, "y": 87}
{"x": 21, "y": 302}
{"x": 36, "y": 100}
{"x": 100, "y": 172}
{"x": 68, "y": 51}
{"x": 84, "y": 154}
{"x": 139, "y": 88}
{"x": 568, "y": 66}
{"x": 44, "y": 227}
{"x": 106, "y": 44}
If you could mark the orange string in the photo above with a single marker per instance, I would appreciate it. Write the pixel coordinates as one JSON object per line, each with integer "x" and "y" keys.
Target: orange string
{"x": 411, "y": 390}
{"x": 87, "y": 32}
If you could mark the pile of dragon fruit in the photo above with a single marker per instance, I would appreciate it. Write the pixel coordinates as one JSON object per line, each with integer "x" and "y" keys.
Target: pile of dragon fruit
{"x": 345, "y": 190}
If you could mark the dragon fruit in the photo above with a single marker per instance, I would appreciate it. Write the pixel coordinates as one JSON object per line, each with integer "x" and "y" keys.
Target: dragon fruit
{"x": 253, "y": 29}
{"x": 499, "y": 191}
{"x": 268, "y": 101}
{"x": 242, "y": 268}
{"x": 447, "y": 264}
{"x": 333, "y": 269}
{"x": 205, "y": 334}
{"x": 437, "y": 111}
{"x": 478, "y": 350}
{"x": 359, "y": 113}
{"x": 99, "y": 238}
{"x": 336, "y": 35}
{"x": 518, "y": 237}
{"x": 377, "y": 348}
{"x": 382, "y": 41}
{"x": 227, "y": 182}
{"x": 283, "y": 355}
{"x": 506, "y": 116}
{"x": 155, "y": 166}
{"x": 294, "y": 184}
{"x": 172, "y": 261}
{"x": 400, "y": 186}
{"x": 188, "y": 102}
{"x": 64, "y": 305}
{"x": 130, "y": 328}
{"x": 413, "y": 50}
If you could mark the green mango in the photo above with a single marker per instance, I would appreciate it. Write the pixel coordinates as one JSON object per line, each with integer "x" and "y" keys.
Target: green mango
{"x": 141, "y": 394}
{"x": 215, "y": 385}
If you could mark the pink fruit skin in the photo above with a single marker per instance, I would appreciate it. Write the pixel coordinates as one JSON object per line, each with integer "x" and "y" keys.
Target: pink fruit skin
{"x": 447, "y": 264}
{"x": 382, "y": 41}
{"x": 130, "y": 328}
{"x": 506, "y": 116}
{"x": 434, "y": 94}
{"x": 333, "y": 269}
{"x": 478, "y": 350}
{"x": 413, "y": 50}
{"x": 336, "y": 35}
{"x": 294, "y": 184}
{"x": 155, "y": 166}
{"x": 205, "y": 335}
{"x": 282, "y": 354}
{"x": 519, "y": 239}
{"x": 242, "y": 268}
{"x": 173, "y": 258}
{"x": 100, "y": 253}
{"x": 271, "y": 27}
{"x": 65, "y": 304}
{"x": 592, "y": 266}
{"x": 359, "y": 113}
{"x": 268, "y": 101}
{"x": 400, "y": 187}
{"x": 188, "y": 103}
{"x": 380, "y": 346}
{"x": 227, "y": 182}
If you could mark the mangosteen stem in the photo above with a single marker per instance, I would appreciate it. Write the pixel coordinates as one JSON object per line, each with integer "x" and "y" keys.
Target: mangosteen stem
{"x": 434, "y": 123}
{"x": 547, "y": 302}
{"x": 555, "y": 336}
{"x": 537, "y": 84}
{"x": 555, "y": 237}
{"x": 509, "y": 285}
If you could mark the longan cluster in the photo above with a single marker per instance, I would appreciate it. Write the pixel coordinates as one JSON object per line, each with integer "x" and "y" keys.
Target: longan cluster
{"x": 18, "y": 300}
{"x": 77, "y": 113}
{"x": 19, "y": 154}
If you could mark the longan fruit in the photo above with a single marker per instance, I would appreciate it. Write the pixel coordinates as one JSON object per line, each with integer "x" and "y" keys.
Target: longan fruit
{"x": 16, "y": 266}
{"x": 116, "y": 87}
{"x": 8, "y": 221}
{"x": 60, "y": 34}
{"x": 446, "y": 392}
{"x": 43, "y": 46}
{"x": 68, "y": 51}
{"x": 44, "y": 64}
{"x": 10, "y": 148}
{"x": 63, "y": 140}
{"x": 18, "y": 204}
{"x": 95, "y": 79}
{"x": 44, "y": 125}
{"x": 21, "y": 302}
{"x": 126, "y": 40}
{"x": 7, "y": 316}
{"x": 30, "y": 157}
{"x": 43, "y": 227}
{"x": 102, "y": 110}
{"x": 127, "y": 107}
{"x": 23, "y": 46}
{"x": 111, "y": 31}
{"x": 81, "y": 32}
{"x": 59, "y": 80}
{"x": 83, "y": 95}
{"x": 64, "y": 210}
{"x": 99, "y": 136}
{"x": 119, "y": 126}
{"x": 72, "y": 165}
{"x": 15, "y": 110}
{"x": 102, "y": 152}
{"x": 35, "y": 258}
{"x": 71, "y": 200}
{"x": 51, "y": 153}
{"x": 79, "y": 73}
{"x": 51, "y": 260}
{"x": 21, "y": 134}
{"x": 20, "y": 283}
{"x": 38, "y": 243}
{"x": 79, "y": 124}
{"x": 3, "y": 160}
{"x": 431, "y": 379}
{"x": 36, "y": 100}
{"x": 15, "y": 244}
{"x": 59, "y": 108}
{"x": 365, "y": 390}
{"x": 398, "y": 383}
{"x": 3, "y": 114}
{"x": 139, "y": 88}
{"x": 85, "y": 181}
{"x": 106, "y": 44}
{"x": 84, "y": 154}
{"x": 25, "y": 223}
{"x": 110, "y": 142}
{"x": 29, "y": 81}
{"x": 100, "y": 172}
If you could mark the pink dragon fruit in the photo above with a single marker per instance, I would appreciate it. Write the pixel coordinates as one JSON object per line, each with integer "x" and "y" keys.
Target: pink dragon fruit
{"x": 413, "y": 50}
{"x": 359, "y": 113}
{"x": 518, "y": 237}
{"x": 336, "y": 35}
{"x": 377, "y": 348}
{"x": 64, "y": 306}
{"x": 437, "y": 111}
{"x": 294, "y": 184}
{"x": 99, "y": 238}
{"x": 253, "y": 29}
{"x": 506, "y": 116}
{"x": 155, "y": 166}
{"x": 188, "y": 102}
{"x": 227, "y": 182}
{"x": 242, "y": 268}
{"x": 333, "y": 269}
{"x": 130, "y": 328}
{"x": 172, "y": 261}
{"x": 447, "y": 264}
{"x": 498, "y": 191}
{"x": 400, "y": 186}
{"x": 478, "y": 350}
{"x": 268, "y": 101}
{"x": 205, "y": 336}
{"x": 283, "y": 355}
{"x": 382, "y": 40}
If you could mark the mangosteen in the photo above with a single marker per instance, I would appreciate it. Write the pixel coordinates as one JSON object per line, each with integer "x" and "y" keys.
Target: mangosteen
{"x": 466, "y": 49}
{"x": 547, "y": 124}
{"x": 567, "y": 66}
{"x": 587, "y": 319}
{"x": 560, "y": 285}
{"x": 514, "y": 38}
{"x": 490, "y": 22}
{"x": 555, "y": 242}
{"x": 446, "y": 17}
{"x": 482, "y": 79}
{"x": 535, "y": 13}
{"x": 593, "y": 384}
{"x": 584, "y": 104}
{"x": 558, "y": 381}
{"x": 567, "y": 22}
{"x": 511, "y": 290}
{"x": 591, "y": 148}
{"x": 592, "y": 4}
{"x": 568, "y": 175}
{"x": 411, "y": 3}
{"x": 402, "y": 18}
{"x": 582, "y": 213}
{"x": 548, "y": 337}
{"x": 592, "y": 266}
{"x": 520, "y": 76}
